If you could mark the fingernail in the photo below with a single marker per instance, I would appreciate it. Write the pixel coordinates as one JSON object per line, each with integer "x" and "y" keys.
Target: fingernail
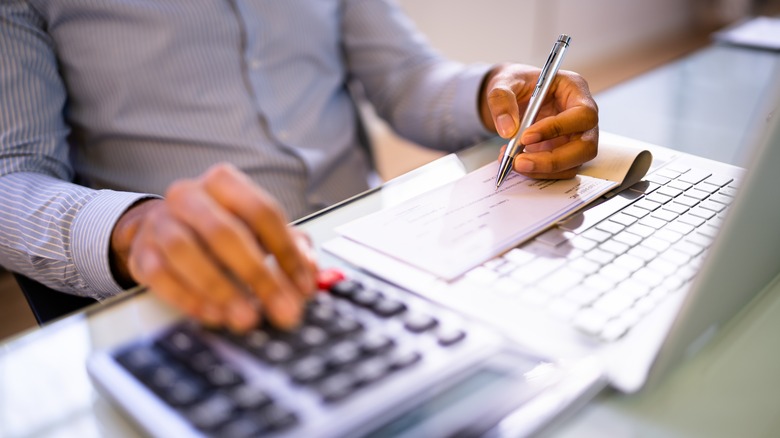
{"x": 505, "y": 125}
{"x": 304, "y": 281}
{"x": 241, "y": 315}
{"x": 211, "y": 315}
{"x": 523, "y": 165}
{"x": 531, "y": 138}
{"x": 287, "y": 310}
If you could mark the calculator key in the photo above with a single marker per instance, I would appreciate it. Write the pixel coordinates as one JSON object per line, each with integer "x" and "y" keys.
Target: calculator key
{"x": 346, "y": 289}
{"x": 418, "y": 322}
{"x": 212, "y": 412}
{"x": 449, "y": 336}
{"x": 387, "y": 307}
{"x": 327, "y": 278}
{"x": 337, "y": 387}
{"x": 249, "y": 397}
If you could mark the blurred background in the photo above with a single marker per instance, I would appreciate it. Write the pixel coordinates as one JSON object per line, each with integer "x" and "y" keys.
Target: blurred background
{"x": 612, "y": 41}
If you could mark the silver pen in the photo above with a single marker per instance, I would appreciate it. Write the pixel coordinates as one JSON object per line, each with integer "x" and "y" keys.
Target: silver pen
{"x": 546, "y": 77}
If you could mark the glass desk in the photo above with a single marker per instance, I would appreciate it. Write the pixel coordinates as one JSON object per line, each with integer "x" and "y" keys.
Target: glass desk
{"x": 701, "y": 104}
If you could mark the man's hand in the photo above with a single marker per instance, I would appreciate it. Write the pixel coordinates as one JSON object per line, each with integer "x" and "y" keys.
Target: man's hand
{"x": 565, "y": 134}
{"x": 218, "y": 248}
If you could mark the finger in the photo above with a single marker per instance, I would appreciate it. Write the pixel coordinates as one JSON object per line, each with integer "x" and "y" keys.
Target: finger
{"x": 303, "y": 241}
{"x": 569, "y": 110}
{"x": 570, "y": 121}
{"x": 181, "y": 261}
{"x": 235, "y": 247}
{"x": 148, "y": 264}
{"x": 560, "y": 159}
{"x": 502, "y": 102}
{"x": 265, "y": 217}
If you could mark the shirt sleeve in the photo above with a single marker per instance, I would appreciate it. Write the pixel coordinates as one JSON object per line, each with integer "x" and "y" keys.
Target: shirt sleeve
{"x": 425, "y": 97}
{"x": 51, "y": 230}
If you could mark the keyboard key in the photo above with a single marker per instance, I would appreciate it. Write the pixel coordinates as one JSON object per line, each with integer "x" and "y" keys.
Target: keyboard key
{"x": 702, "y": 212}
{"x": 706, "y": 187}
{"x": 719, "y": 180}
{"x": 694, "y": 176}
{"x": 615, "y": 247}
{"x": 658, "y": 197}
{"x": 623, "y": 219}
{"x": 676, "y": 207}
{"x": 692, "y": 220}
{"x": 695, "y": 193}
{"x": 685, "y": 201}
{"x": 665, "y": 215}
{"x": 640, "y": 230}
{"x": 713, "y": 206}
{"x": 679, "y": 185}
{"x": 599, "y": 256}
{"x": 722, "y": 199}
{"x": 636, "y": 212}
{"x": 671, "y": 192}
{"x": 643, "y": 253}
{"x": 596, "y": 235}
{"x": 627, "y": 238}
{"x": 609, "y": 226}
{"x": 630, "y": 262}
{"x": 648, "y": 205}
{"x": 612, "y": 304}
{"x": 590, "y": 321}
{"x": 679, "y": 227}
{"x": 652, "y": 222}
{"x": 563, "y": 308}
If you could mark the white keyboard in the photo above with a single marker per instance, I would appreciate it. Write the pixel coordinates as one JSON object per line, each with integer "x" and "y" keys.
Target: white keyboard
{"x": 604, "y": 269}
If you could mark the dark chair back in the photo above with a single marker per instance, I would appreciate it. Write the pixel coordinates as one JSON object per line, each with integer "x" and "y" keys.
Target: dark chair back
{"x": 47, "y": 304}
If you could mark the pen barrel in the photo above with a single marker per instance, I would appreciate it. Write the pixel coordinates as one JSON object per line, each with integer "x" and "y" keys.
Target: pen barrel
{"x": 550, "y": 69}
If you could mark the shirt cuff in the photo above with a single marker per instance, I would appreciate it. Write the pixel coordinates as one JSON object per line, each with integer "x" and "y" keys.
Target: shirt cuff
{"x": 465, "y": 108}
{"x": 91, "y": 239}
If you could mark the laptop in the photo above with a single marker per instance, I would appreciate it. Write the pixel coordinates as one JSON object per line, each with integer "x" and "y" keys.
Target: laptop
{"x": 614, "y": 296}
{"x": 638, "y": 281}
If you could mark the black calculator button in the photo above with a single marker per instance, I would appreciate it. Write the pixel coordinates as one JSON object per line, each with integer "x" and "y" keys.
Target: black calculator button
{"x": 140, "y": 359}
{"x": 248, "y": 397}
{"x": 343, "y": 353}
{"x": 309, "y": 369}
{"x": 419, "y": 322}
{"x": 343, "y": 327}
{"x": 371, "y": 370}
{"x": 337, "y": 387}
{"x": 212, "y": 412}
{"x": 366, "y": 297}
{"x": 277, "y": 352}
{"x": 400, "y": 359}
{"x": 374, "y": 343}
{"x": 346, "y": 289}
{"x": 184, "y": 392}
{"x": 222, "y": 375}
{"x": 387, "y": 307}
{"x": 450, "y": 335}
{"x": 181, "y": 342}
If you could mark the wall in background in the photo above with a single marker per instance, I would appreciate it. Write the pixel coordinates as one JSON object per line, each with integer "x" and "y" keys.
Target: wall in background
{"x": 524, "y": 30}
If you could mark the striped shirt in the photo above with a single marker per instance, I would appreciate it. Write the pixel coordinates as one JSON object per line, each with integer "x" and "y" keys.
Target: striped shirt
{"x": 104, "y": 102}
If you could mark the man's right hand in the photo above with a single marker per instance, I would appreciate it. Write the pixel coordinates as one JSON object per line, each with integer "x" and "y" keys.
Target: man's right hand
{"x": 219, "y": 248}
